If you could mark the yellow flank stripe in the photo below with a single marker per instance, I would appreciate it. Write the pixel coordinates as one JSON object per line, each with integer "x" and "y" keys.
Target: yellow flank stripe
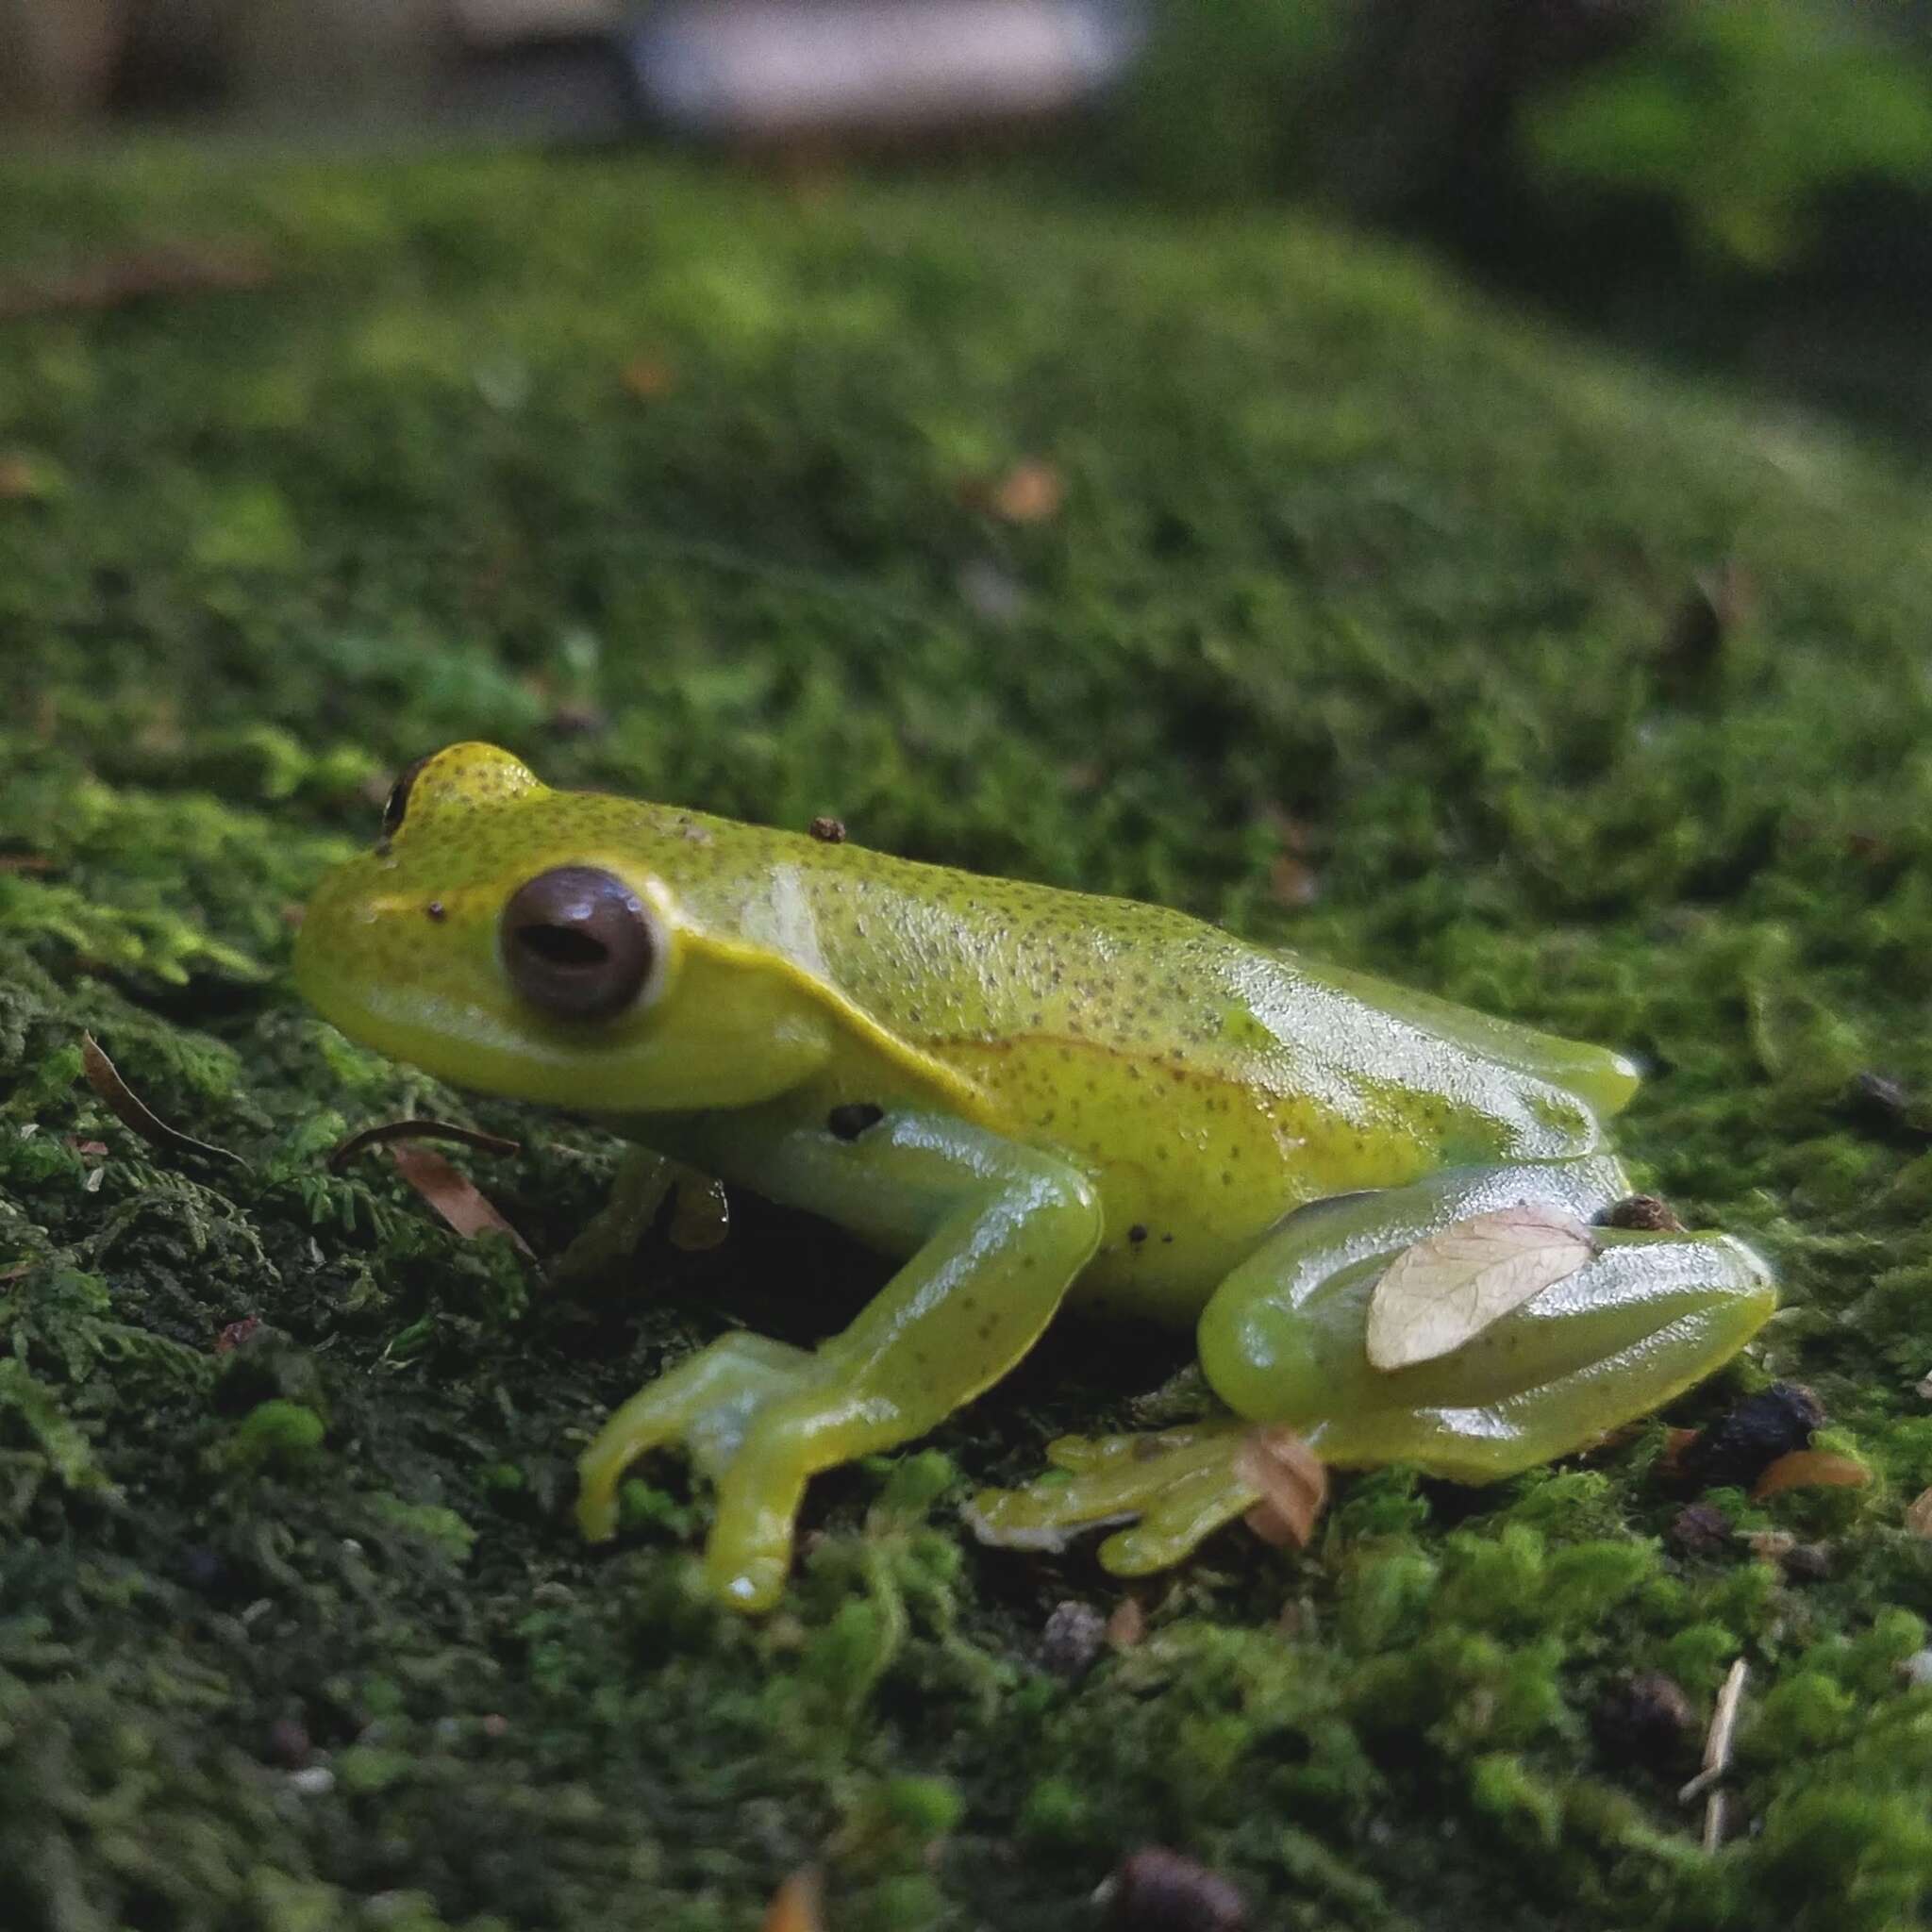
{"x": 965, "y": 1097}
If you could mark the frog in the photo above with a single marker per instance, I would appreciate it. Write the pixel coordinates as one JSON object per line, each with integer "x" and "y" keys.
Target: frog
{"x": 1028, "y": 1099}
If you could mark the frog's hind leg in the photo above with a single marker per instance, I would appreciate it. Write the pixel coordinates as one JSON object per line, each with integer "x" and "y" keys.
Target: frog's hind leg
{"x": 1176, "y": 1488}
{"x": 1284, "y": 1342}
{"x": 1648, "y": 1315}
{"x": 1602, "y": 1078}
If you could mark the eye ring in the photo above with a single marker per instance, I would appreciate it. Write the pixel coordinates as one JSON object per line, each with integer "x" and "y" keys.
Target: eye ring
{"x": 397, "y": 802}
{"x": 577, "y": 943}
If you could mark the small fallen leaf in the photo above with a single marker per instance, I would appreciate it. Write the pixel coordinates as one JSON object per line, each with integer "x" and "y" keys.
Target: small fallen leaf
{"x": 1029, "y": 492}
{"x": 1810, "y": 1469}
{"x": 418, "y": 1129}
{"x": 134, "y": 1113}
{"x": 236, "y": 1333}
{"x": 1293, "y": 1483}
{"x": 647, "y": 378}
{"x": 795, "y": 1905}
{"x": 141, "y": 274}
{"x": 1291, "y": 881}
{"x": 453, "y": 1194}
{"x": 1670, "y": 1461}
{"x": 1447, "y": 1288}
{"x": 1919, "y": 1514}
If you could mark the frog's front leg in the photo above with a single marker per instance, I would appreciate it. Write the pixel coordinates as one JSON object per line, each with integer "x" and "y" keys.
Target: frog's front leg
{"x": 996, "y": 1233}
{"x": 643, "y": 1181}
{"x": 1284, "y": 1342}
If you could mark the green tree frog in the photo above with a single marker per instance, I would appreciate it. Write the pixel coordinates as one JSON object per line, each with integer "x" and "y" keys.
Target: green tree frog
{"x": 1032, "y": 1098}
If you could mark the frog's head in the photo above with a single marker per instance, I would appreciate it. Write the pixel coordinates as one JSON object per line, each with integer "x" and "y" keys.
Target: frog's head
{"x": 543, "y": 944}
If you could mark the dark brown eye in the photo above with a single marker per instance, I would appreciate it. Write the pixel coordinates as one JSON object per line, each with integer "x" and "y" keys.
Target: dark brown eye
{"x": 398, "y": 801}
{"x": 577, "y": 943}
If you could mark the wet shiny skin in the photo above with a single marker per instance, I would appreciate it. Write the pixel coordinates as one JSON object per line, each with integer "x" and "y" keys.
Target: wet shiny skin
{"x": 1075, "y": 1095}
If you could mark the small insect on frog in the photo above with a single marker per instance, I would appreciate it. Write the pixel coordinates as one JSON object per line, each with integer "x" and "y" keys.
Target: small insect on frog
{"x": 1035, "y": 1098}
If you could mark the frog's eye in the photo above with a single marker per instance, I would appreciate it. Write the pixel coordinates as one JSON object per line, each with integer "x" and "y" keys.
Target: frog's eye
{"x": 398, "y": 801}
{"x": 579, "y": 944}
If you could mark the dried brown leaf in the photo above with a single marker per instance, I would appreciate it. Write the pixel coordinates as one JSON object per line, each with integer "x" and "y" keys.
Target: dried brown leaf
{"x": 1810, "y": 1469}
{"x": 140, "y": 275}
{"x": 1292, "y": 882}
{"x": 796, "y": 1904}
{"x": 1293, "y": 1483}
{"x": 453, "y": 1194}
{"x": 1919, "y": 1514}
{"x": 648, "y": 378}
{"x": 134, "y": 1113}
{"x": 1445, "y": 1290}
{"x": 1029, "y": 492}
{"x": 236, "y": 1333}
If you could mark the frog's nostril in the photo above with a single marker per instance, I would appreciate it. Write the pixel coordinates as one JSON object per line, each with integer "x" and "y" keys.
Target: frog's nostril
{"x": 577, "y": 943}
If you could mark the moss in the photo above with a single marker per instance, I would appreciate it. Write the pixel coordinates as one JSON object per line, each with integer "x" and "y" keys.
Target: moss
{"x": 1349, "y": 571}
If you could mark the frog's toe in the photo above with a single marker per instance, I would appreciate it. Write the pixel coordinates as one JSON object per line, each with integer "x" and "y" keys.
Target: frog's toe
{"x": 1176, "y": 1488}
{"x": 1088, "y": 1453}
{"x": 708, "y": 1402}
{"x": 1186, "y": 1512}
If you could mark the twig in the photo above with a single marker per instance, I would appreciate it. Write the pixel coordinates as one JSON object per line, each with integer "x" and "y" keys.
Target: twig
{"x": 1717, "y": 1757}
{"x": 135, "y": 277}
{"x": 418, "y": 1129}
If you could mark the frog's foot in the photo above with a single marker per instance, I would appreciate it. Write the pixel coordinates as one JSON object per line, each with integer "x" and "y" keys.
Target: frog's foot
{"x": 644, "y": 1180}
{"x": 1176, "y": 1488}
{"x": 708, "y": 1402}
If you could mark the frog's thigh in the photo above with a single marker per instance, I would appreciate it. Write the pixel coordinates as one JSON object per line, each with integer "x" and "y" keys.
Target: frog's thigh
{"x": 998, "y": 1232}
{"x": 1283, "y": 1340}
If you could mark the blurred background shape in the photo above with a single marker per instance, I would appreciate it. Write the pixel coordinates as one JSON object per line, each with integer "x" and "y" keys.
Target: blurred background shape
{"x": 1744, "y": 183}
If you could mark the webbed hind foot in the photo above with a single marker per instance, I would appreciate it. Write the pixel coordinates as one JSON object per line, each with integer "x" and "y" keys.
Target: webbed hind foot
{"x": 1175, "y": 1487}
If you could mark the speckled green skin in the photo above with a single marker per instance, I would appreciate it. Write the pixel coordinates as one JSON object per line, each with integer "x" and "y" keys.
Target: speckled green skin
{"x": 1078, "y": 1094}
{"x": 1206, "y": 1086}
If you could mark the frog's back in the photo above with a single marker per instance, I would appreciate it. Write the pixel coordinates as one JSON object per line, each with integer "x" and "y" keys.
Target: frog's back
{"x": 1211, "y": 1086}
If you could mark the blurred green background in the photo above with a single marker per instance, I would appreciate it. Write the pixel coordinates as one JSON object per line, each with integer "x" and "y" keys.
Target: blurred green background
{"x": 1745, "y": 183}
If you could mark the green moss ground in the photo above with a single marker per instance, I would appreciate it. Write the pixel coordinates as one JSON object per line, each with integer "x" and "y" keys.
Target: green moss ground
{"x": 1346, "y": 561}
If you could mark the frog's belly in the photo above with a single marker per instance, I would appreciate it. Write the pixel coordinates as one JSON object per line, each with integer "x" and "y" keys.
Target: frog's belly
{"x": 1193, "y": 1168}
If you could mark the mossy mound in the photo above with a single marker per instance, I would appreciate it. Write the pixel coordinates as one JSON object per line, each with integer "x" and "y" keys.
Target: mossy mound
{"x": 1246, "y": 567}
